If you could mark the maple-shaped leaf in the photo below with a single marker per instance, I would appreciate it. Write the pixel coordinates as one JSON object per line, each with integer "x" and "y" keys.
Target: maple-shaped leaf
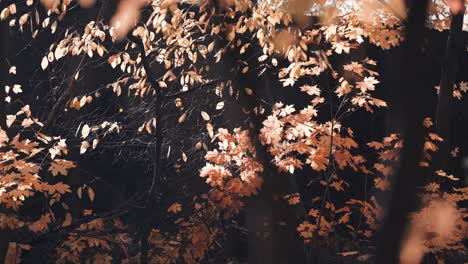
{"x": 375, "y": 145}
{"x": 311, "y": 90}
{"x": 61, "y": 166}
{"x": 61, "y": 188}
{"x": 337, "y": 185}
{"x": 314, "y": 212}
{"x": 293, "y": 199}
{"x": 463, "y": 86}
{"x": 432, "y": 187}
{"x": 41, "y": 224}
{"x": 306, "y": 229}
{"x": 354, "y": 67}
{"x": 382, "y": 184}
{"x": 175, "y": 208}
{"x": 368, "y": 84}
{"x": 25, "y": 146}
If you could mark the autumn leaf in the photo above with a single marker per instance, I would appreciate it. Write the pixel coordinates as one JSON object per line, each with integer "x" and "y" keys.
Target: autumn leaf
{"x": 17, "y": 89}
{"x": 306, "y": 230}
{"x": 454, "y": 153}
{"x": 61, "y": 166}
{"x": 10, "y": 119}
{"x": 219, "y": 105}
{"x": 84, "y": 147}
{"x": 175, "y": 208}
{"x": 344, "y": 219}
{"x": 368, "y": 84}
{"x": 85, "y": 131}
{"x": 432, "y": 187}
{"x": 79, "y": 192}
{"x": 4, "y": 14}
{"x": 44, "y": 63}
{"x": 41, "y": 224}
{"x": 91, "y": 194}
{"x": 262, "y": 58}
{"x": 248, "y": 91}
{"x": 60, "y": 188}
{"x": 67, "y": 221}
{"x": 205, "y": 116}
{"x": 182, "y": 117}
{"x": 311, "y": 90}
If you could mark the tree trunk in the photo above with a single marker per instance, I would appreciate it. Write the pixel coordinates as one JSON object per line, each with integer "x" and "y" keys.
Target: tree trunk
{"x": 448, "y": 78}
{"x": 5, "y": 234}
{"x": 413, "y": 88}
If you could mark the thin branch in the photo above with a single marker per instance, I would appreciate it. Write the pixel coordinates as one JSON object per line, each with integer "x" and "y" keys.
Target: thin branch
{"x": 146, "y": 227}
{"x": 72, "y": 226}
{"x": 67, "y": 94}
{"x": 145, "y": 62}
{"x": 72, "y": 85}
{"x": 193, "y": 89}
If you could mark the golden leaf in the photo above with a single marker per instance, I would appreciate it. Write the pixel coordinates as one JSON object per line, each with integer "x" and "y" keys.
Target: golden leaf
{"x": 67, "y": 221}
{"x": 175, "y": 208}
{"x": 85, "y": 131}
{"x": 5, "y": 13}
{"x": 219, "y": 105}
{"x": 205, "y": 116}
{"x": 91, "y": 194}
{"x": 182, "y": 117}
{"x": 84, "y": 147}
{"x": 10, "y": 119}
{"x": 44, "y": 63}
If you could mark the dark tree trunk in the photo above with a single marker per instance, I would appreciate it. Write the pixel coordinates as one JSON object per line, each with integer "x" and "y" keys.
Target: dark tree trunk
{"x": 449, "y": 72}
{"x": 5, "y": 234}
{"x": 413, "y": 89}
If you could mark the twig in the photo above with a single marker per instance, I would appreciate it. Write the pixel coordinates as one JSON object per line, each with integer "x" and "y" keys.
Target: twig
{"x": 146, "y": 228}
{"x": 72, "y": 85}
{"x": 145, "y": 62}
{"x": 193, "y": 89}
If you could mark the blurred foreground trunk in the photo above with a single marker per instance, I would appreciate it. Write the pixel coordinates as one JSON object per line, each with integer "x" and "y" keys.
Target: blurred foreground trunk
{"x": 5, "y": 234}
{"x": 414, "y": 88}
{"x": 450, "y": 66}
